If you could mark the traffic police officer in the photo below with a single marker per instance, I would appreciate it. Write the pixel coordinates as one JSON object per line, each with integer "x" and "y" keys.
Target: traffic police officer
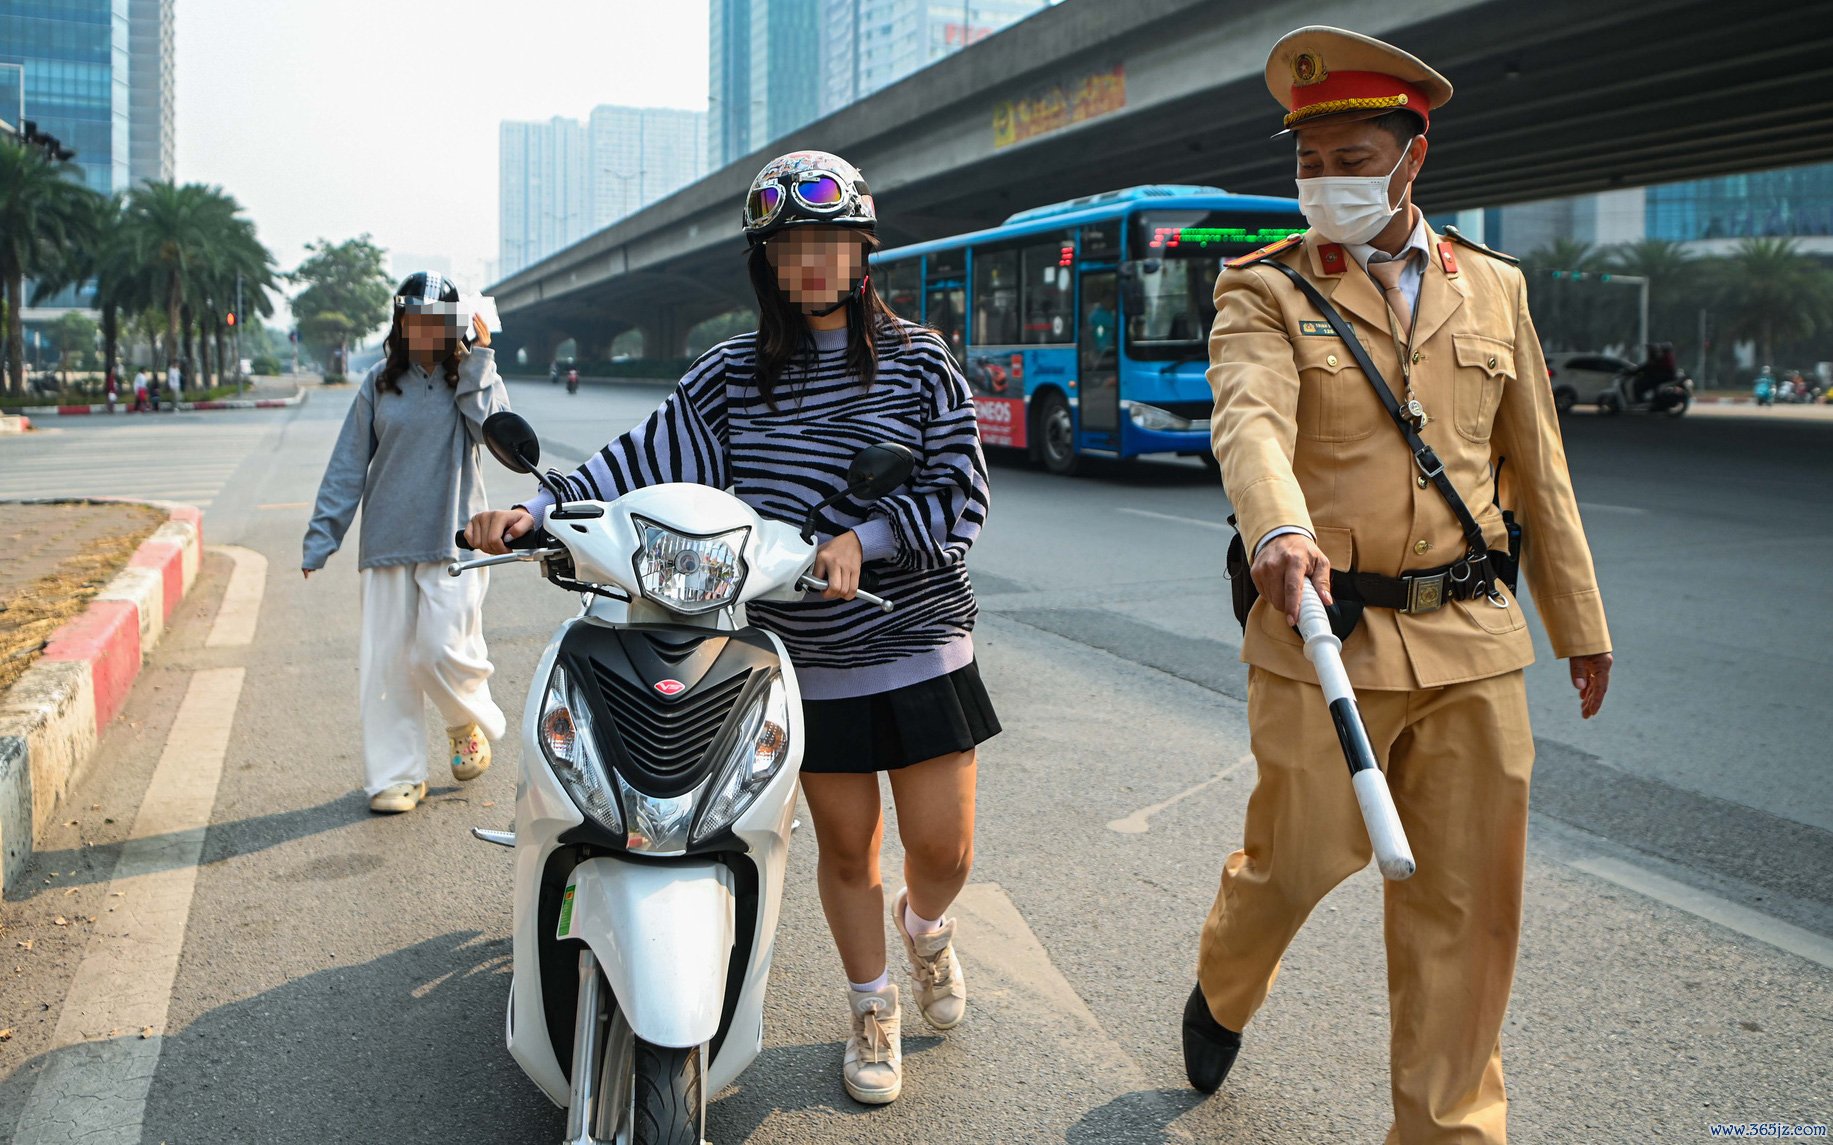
{"x": 1324, "y": 483}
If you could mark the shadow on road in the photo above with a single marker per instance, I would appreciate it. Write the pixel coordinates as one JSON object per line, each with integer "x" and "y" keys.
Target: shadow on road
{"x": 406, "y": 1047}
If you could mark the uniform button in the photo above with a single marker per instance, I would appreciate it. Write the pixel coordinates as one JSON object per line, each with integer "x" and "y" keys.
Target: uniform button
{"x": 1422, "y": 547}
{"x": 1331, "y": 361}
{"x": 1416, "y": 357}
{"x": 1492, "y": 361}
{"x": 1423, "y": 482}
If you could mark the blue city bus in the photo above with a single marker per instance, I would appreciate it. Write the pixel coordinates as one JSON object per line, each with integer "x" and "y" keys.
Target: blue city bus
{"x": 1083, "y": 326}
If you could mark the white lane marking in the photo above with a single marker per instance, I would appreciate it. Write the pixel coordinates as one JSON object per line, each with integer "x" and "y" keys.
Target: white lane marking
{"x": 1600, "y": 507}
{"x": 1199, "y": 523}
{"x": 241, "y": 608}
{"x": 1712, "y": 908}
{"x": 1138, "y": 822}
{"x": 109, "y": 1033}
{"x": 1006, "y": 962}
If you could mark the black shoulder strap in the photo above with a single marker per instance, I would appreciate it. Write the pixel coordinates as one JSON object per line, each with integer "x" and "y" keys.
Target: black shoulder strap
{"x": 1423, "y": 456}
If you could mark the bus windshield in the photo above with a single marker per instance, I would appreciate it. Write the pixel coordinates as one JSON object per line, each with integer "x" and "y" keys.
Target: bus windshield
{"x": 1171, "y": 275}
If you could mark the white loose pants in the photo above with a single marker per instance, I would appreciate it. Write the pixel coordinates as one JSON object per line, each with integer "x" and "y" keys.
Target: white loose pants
{"x": 423, "y": 638}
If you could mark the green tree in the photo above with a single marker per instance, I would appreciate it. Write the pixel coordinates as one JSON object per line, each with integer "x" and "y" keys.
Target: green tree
{"x": 346, "y": 294}
{"x": 45, "y": 210}
{"x": 1767, "y": 290}
{"x": 1565, "y": 312}
{"x": 169, "y": 227}
{"x": 1677, "y": 290}
{"x": 74, "y": 336}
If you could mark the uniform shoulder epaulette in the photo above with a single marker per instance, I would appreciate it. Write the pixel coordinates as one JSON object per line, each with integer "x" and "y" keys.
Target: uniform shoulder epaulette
{"x": 1267, "y": 251}
{"x": 1462, "y": 239}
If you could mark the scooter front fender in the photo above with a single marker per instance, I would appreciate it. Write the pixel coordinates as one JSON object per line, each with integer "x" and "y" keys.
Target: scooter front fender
{"x": 663, "y": 933}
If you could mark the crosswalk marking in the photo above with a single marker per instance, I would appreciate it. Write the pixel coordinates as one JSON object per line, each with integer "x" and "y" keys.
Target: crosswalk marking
{"x": 188, "y": 460}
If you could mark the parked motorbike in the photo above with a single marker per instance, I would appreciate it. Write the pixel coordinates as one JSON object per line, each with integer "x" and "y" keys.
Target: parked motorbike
{"x": 661, "y": 745}
{"x": 1631, "y": 392}
{"x": 572, "y": 381}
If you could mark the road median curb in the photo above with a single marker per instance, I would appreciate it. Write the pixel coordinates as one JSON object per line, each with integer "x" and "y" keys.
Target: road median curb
{"x": 52, "y": 717}
{"x": 299, "y": 395}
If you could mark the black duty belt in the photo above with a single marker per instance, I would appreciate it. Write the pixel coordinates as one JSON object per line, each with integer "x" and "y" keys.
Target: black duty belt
{"x": 1422, "y": 590}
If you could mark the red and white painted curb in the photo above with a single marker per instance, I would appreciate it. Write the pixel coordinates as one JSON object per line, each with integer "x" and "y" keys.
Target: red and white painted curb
{"x": 123, "y": 407}
{"x": 14, "y": 423}
{"x": 52, "y": 718}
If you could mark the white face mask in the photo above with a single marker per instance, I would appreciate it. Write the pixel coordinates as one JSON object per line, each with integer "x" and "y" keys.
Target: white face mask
{"x": 1349, "y": 208}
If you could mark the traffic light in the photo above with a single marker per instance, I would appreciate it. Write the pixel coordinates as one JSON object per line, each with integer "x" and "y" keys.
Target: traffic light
{"x": 230, "y": 319}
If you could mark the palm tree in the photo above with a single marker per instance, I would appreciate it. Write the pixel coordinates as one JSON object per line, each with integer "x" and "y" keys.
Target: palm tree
{"x": 45, "y": 211}
{"x": 1676, "y": 289}
{"x": 169, "y": 225}
{"x": 1560, "y": 309}
{"x": 1769, "y": 290}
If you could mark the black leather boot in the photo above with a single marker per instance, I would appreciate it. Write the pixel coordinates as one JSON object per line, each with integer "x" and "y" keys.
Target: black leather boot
{"x": 1209, "y": 1046}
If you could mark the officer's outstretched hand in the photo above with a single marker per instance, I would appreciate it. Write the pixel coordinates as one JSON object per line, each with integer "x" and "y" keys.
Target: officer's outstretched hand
{"x": 1281, "y": 568}
{"x": 1591, "y": 676}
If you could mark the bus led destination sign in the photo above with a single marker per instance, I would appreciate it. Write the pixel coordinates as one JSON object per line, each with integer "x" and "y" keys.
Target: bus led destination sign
{"x": 1189, "y": 242}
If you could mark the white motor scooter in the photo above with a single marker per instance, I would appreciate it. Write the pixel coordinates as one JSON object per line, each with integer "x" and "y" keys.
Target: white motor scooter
{"x": 661, "y": 744}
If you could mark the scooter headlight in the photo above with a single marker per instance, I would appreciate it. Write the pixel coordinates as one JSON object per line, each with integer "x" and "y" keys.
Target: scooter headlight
{"x": 689, "y": 574}
{"x": 758, "y": 754}
{"x": 572, "y": 751}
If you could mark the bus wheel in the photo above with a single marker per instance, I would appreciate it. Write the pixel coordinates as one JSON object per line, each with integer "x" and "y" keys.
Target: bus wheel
{"x": 1056, "y": 431}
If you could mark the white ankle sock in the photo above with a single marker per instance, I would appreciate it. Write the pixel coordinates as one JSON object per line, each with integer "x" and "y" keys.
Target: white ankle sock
{"x": 874, "y": 986}
{"x": 917, "y": 925}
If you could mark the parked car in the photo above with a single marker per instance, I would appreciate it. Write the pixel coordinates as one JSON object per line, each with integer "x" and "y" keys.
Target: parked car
{"x": 1582, "y": 378}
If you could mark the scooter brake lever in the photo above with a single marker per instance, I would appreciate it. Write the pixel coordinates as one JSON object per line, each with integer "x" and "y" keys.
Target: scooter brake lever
{"x": 816, "y": 584}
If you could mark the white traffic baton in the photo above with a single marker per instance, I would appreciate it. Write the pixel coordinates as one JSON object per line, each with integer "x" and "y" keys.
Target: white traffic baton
{"x": 1325, "y": 651}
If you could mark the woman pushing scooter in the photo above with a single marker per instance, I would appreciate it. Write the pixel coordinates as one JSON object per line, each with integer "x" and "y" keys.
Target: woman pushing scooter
{"x": 778, "y": 416}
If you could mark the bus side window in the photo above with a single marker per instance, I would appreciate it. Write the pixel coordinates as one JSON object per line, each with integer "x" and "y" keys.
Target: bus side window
{"x": 898, "y": 286}
{"x": 945, "y": 305}
{"x": 1049, "y": 293}
{"x": 995, "y": 298}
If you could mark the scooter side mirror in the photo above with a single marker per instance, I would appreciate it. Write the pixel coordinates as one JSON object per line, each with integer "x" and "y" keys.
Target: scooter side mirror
{"x": 878, "y": 469}
{"x": 512, "y": 441}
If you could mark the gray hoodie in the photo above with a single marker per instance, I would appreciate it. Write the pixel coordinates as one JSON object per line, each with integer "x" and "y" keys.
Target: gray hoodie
{"x": 411, "y": 460}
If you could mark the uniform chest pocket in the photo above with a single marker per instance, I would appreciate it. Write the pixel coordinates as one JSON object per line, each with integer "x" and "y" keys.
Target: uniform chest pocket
{"x": 1484, "y": 366}
{"x": 1335, "y": 400}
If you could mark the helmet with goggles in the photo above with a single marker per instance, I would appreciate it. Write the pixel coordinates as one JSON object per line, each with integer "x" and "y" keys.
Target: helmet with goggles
{"x": 804, "y": 189}
{"x": 426, "y": 291}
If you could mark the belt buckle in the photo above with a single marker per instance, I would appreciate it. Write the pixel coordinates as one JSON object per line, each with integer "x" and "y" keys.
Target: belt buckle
{"x": 1425, "y": 593}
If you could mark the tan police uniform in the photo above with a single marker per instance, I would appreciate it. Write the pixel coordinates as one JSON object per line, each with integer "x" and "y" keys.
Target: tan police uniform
{"x": 1305, "y": 443}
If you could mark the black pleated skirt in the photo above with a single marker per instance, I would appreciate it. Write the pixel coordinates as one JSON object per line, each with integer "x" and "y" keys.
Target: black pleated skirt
{"x": 889, "y": 730}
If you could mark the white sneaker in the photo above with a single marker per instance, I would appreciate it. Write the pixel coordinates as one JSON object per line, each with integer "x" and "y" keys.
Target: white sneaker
{"x": 874, "y": 1067}
{"x": 397, "y": 797}
{"x": 941, "y": 991}
{"x": 470, "y": 752}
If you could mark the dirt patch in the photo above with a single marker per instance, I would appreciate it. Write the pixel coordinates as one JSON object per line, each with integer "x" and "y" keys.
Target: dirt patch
{"x": 56, "y": 558}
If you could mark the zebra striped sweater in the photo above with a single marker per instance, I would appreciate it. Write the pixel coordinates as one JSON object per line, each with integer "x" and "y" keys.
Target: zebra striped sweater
{"x": 716, "y": 429}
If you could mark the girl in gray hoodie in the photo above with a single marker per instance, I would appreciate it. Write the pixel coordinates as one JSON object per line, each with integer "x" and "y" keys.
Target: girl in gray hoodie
{"x": 408, "y": 456}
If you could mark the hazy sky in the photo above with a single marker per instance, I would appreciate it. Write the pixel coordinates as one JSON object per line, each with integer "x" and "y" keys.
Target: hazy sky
{"x": 328, "y": 118}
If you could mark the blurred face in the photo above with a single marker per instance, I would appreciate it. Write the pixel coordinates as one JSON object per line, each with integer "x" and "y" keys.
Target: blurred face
{"x": 430, "y": 334}
{"x": 815, "y": 266}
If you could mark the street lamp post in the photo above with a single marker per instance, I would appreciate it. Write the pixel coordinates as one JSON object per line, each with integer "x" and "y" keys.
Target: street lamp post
{"x": 1611, "y": 277}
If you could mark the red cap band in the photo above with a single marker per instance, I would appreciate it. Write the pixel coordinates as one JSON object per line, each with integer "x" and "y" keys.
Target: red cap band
{"x": 1340, "y": 92}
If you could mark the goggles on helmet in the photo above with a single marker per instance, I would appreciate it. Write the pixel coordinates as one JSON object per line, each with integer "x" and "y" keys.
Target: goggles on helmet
{"x": 815, "y": 193}
{"x": 809, "y": 188}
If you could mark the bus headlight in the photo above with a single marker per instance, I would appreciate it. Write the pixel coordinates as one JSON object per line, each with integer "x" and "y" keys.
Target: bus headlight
{"x": 758, "y": 753}
{"x": 1151, "y": 417}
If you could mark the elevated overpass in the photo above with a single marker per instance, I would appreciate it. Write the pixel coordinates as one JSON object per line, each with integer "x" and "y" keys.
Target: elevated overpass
{"x": 1554, "y": 98}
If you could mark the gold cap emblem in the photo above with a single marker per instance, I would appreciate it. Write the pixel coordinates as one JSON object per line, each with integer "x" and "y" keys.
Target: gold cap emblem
{"x": 1308, "y": 69}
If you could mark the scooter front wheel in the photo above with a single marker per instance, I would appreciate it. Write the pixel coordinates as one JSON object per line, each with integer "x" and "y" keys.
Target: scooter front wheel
{"x": 667, "y": 1106}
